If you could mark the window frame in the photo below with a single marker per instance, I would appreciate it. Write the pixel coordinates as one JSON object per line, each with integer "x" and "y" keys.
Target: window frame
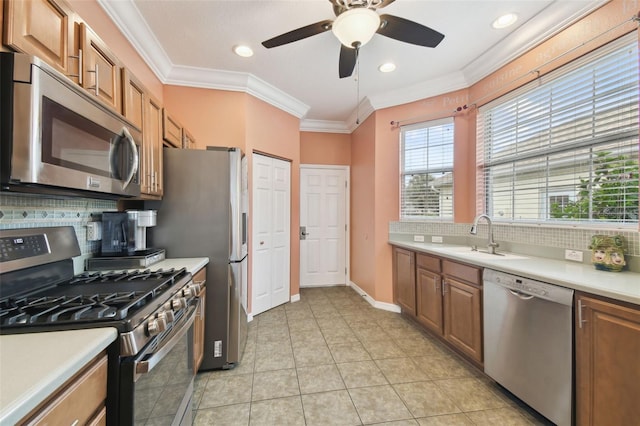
{"x": 445, "y": 170}
{"x": 555, "y": 148}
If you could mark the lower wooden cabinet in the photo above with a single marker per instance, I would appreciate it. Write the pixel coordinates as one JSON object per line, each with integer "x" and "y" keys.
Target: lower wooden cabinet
{"x": 607, "y": 362}
{"x": 200, "y": 277}
{"x": 444, "y": 296}
{"x": 404, "y": 280}
{"x": 80, "y": 401}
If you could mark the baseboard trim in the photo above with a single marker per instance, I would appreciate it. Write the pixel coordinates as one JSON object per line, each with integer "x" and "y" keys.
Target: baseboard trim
{"x": 249, "y": 317}
{"x": 295, "y": 298}
{"x": 379, "y": 305}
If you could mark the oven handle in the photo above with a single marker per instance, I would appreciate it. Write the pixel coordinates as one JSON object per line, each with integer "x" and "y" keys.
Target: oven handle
{"x": 143, "y": 367}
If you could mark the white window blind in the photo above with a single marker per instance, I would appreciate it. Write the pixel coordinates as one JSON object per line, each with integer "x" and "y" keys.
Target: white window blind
{"x": 565, "y": 147}
{"x": 426, "y": 167}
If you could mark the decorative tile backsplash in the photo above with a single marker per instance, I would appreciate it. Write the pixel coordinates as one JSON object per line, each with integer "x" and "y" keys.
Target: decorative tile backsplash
{"x": 539, "y": 235}
{"x": 31, "y": 211}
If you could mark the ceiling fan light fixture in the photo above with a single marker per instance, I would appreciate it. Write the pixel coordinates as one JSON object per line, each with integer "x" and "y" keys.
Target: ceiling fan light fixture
{"x": 242, "y": 50}
{"x": 355, "y": 27}
{"x": 505, "y": 21}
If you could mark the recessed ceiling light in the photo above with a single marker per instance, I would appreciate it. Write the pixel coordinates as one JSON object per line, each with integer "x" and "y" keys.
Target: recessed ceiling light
{"x": 504, "y": 21}
{"x": 244, "y": 51}
{"x": 388, "y": 67}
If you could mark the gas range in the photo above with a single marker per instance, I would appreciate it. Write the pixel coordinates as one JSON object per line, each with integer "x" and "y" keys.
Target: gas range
{"x": 37, "y": 295}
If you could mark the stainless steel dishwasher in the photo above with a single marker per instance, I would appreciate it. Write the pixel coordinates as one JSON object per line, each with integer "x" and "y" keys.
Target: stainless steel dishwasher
{"x": 528, "y": 340}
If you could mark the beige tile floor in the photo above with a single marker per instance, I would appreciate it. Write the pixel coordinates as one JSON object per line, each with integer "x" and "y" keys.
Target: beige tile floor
{"x": 332, "y": 359}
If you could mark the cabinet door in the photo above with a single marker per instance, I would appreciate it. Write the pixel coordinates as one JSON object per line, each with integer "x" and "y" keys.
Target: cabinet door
{"x": 404, "y": 280}
{"x": 42, "y": 28}
{"x": 607, "y": 363}
{"x": 153, "y": 141}
{"x": 101, "y": 73}
{"x": 429, "y": 299}
{"x": 133, "y": 108}
{"x": 188, "y": 142}
{"x": 171, "y": 130}
{"x": 463, "y": 317}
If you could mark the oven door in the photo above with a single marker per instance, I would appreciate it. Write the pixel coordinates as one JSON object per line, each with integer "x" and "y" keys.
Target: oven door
{"x": 156, "y": 385}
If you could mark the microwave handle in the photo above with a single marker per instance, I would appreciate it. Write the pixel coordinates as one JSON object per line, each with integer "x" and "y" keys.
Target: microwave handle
{"x": 134, "y": 149}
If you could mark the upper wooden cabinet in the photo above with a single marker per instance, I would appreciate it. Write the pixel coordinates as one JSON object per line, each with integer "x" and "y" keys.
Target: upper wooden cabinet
{"x": 188, "y": 142}
{"x": 144, "y": 111}
{"x": 43, "y": 28}
{"x": 607, "y": 362}
{"x": 100, "y": 68}
{"x": 171, "y": 130}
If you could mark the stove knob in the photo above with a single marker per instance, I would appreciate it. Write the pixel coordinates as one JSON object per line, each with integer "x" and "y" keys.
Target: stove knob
{"x": 189, "y": 292}
{"x": 153, "y": 328}
{"x": 196, "y": 289}
{"x": 179, "y": 303}
{"x": 169, "y": 316}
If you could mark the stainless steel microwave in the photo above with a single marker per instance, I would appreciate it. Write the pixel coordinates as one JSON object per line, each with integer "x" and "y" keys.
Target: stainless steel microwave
{"x": 58, "y": 139}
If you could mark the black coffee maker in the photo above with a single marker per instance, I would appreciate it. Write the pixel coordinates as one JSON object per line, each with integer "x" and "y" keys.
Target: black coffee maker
{"x": 118, "y": 234}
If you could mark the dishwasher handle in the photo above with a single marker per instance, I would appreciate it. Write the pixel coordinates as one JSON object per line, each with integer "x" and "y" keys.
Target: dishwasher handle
{"x": 521, "y": 295}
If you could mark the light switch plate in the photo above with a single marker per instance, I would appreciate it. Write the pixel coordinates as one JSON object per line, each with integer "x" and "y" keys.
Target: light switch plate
{"x": 436, "y": 239}
{"x": 418, "y": 238}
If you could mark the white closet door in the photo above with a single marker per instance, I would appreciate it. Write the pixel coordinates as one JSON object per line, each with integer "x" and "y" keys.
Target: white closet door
{"x": 323, "y": 214}
{"x": 271, "y": 216}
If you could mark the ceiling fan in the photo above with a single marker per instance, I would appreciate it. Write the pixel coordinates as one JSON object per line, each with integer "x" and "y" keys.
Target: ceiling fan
{"x": 356, "y": 22}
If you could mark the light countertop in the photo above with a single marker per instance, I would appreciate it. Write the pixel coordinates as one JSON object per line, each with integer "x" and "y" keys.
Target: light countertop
{"x": 34, "y": 365}
{"x": 623, "y": 286}
{"x": 193, "y": 264}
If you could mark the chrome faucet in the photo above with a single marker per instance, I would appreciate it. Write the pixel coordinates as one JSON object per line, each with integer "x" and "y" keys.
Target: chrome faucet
{"x": 491, "y": 245}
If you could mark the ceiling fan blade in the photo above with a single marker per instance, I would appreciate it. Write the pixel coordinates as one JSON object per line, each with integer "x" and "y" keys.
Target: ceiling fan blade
{"x": 348, "y": 58}
{"x": 408, "y": 31}
{"x": 298, "y": 34}
{"x": 384, "y": 3}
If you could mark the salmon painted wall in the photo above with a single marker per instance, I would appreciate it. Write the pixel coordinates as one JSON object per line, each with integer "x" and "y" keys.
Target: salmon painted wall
{"x": 325, "y": 148}
{"x": 213, "y": 117}
{"x": 97, "y": 19}
{"x": 363, "y": 206}
{"x": 272, "y": 131}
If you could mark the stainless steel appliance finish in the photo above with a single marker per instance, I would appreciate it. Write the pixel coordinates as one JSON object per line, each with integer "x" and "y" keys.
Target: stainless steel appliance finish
{"x": 58, "y": 139}
{"x": 150, "y": 373}
{"x": 202, "y": 214}
{"x": 528, "y": 338}
{"x": 137, "y": 259}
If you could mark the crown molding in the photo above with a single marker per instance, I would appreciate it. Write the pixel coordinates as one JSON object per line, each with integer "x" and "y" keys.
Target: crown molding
{"x": 529, "y": 35}
{"x": 324, "y": 126}
{"x": 130, "y": 22}
{"x": 236, "y": 82}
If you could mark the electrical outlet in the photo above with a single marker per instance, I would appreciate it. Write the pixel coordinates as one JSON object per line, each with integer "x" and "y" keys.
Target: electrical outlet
{"x": 418, "y": 238}
{"x": 436, "y": 239}
{"x": 575, "y": 255}
{"x": 94, "y": 231}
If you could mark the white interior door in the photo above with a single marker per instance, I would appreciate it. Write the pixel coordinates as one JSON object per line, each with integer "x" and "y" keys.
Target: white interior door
{"x": 323, "y": 217}
{"x": 271, "y": 218}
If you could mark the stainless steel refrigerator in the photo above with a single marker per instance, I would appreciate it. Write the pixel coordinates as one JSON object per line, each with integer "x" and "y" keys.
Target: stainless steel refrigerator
{"x": 203, "y": 212}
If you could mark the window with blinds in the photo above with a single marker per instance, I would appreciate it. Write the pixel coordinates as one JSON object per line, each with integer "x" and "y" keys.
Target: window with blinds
{"x": 426, "y": 167}
{"x": 564, "y": 148}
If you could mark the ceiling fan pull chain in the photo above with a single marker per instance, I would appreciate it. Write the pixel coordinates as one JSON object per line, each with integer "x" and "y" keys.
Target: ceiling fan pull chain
{"x": 357, "y": 85}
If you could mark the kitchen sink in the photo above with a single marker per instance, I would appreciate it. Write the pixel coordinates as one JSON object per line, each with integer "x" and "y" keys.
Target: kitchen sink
{"x": 468, "y": 251}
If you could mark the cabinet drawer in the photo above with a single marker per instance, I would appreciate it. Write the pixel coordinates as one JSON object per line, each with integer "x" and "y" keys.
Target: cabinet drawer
{"x": 429, "y": 263}
{"x": 77, "y": 402}
{"x": 470, "y": 274}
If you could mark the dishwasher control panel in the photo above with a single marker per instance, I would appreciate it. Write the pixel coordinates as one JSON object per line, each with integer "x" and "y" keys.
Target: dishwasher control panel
{"x": 530, "y": 287}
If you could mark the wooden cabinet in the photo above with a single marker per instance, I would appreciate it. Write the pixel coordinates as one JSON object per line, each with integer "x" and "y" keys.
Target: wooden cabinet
{"x": 404, "y": 280}
{"x": 429, "y": 292}
{"x": 200, "y": 277}
{"x": 607, "y": 362}
{"x": 188, "y": 142}
{"x": 100, "y": 68}
{"x": 43, "y": 28}
{"x": 79, "y": 401}
{"x": 445, "y": 297}
{"x": 145, "y": 112}
{"x": 171, "y": 130}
